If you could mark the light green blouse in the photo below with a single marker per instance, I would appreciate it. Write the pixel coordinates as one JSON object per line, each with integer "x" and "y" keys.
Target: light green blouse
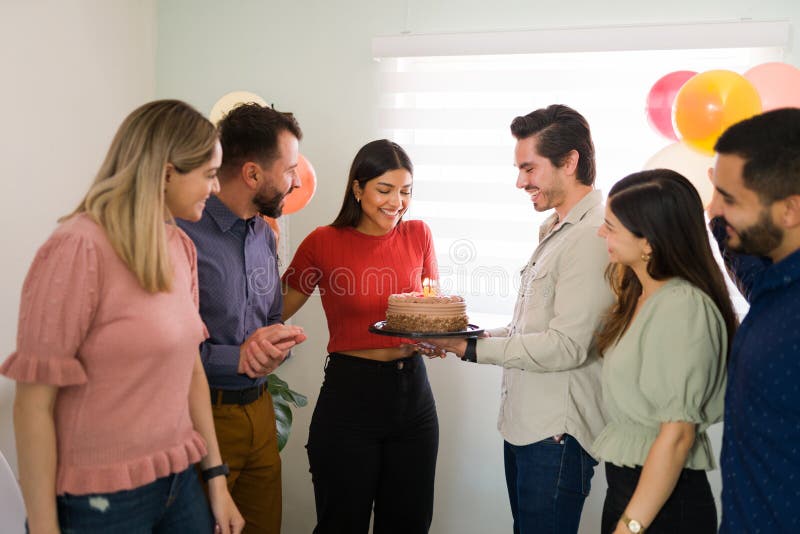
{"x": 668, "y": 366}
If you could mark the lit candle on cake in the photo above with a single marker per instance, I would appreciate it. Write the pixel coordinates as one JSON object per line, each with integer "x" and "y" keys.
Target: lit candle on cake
{"x": 429, "y": 288}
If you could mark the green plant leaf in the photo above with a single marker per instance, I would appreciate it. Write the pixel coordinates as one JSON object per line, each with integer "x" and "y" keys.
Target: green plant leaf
{"x": 282, "y": 396}
{"x": 275, "y": 383}
{"x": 298, "y": 399}
{"x": 283, "y": 421}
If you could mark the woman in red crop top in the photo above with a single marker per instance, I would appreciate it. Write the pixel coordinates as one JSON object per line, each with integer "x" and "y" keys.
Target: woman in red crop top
{"x": 112, "y": 407}
{"x": 374, "y": 434}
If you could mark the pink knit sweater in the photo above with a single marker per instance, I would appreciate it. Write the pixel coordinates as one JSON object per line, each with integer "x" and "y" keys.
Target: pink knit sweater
{"x": 121, "y": 357}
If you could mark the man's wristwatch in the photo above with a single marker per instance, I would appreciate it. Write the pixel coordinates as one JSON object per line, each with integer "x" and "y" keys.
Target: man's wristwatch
{"x": 216, "y": 471}
{"x": 632, "y": 524}
{"x": 470, "y": 355}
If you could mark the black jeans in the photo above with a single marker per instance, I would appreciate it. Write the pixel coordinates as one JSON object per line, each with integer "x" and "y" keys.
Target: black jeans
{"x": 689, "y": 510}
{"x": 373, "y": 440}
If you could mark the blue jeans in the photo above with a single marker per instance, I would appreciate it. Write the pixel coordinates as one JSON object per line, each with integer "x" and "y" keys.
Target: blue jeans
{"x": 548, "y": 481}
{"x": 174, "y": 504}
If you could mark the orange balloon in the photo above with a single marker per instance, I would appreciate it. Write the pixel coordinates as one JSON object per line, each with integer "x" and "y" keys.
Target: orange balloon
{"x": 709, "y": 103}
{"x": 276, "y": 229}
{"x": 301, "y": 196}
{"x": 273, "y": 223}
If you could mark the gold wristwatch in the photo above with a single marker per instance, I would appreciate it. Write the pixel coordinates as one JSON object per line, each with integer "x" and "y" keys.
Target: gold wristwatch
{"x": 632, "y": 524}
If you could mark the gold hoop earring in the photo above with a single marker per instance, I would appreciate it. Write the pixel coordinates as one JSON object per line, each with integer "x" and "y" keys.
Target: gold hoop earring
{"x": 646, "y": 257}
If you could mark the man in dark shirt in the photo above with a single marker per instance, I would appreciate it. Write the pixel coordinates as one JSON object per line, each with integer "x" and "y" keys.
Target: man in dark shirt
{"x": 756, "y": 211}
{"x": 241, "y": 302}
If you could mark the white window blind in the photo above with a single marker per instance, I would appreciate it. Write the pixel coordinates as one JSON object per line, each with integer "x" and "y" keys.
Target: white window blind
{"x": 452, "y": 114}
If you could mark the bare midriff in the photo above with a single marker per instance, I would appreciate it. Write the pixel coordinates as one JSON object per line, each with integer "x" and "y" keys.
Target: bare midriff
{"x": 382, "y": 355}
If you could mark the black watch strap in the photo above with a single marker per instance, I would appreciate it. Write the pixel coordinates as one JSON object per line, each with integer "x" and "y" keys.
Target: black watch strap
{"x": 470, "y": 355}
{"x": 216, "y": 471}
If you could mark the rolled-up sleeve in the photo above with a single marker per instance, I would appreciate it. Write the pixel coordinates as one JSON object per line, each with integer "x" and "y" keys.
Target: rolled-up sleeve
{"x": 580, "y": 296}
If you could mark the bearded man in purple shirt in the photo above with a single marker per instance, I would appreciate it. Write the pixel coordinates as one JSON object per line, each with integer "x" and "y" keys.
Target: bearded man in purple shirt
{"x": 241, "y": 302}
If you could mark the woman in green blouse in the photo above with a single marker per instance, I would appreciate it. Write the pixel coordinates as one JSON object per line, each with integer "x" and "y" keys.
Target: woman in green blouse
{"x": 664, "y": 343}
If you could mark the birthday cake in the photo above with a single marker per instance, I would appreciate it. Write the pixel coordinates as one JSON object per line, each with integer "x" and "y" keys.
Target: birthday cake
{"x": 418, "y": 312}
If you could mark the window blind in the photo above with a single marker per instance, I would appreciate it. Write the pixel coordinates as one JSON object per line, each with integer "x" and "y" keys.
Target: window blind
{"x": 452, "y": 114}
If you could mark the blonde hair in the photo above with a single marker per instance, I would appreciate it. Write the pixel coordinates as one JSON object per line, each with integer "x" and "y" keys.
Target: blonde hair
{"x": 127, "y": 196}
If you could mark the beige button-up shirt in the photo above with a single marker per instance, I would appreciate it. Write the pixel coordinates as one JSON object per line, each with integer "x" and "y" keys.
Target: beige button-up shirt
{"x": 551, "y": 380}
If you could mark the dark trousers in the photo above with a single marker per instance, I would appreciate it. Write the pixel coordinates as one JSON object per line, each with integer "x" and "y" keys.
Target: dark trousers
{"x": 373, "y": 441}
{"x": 689, "y": 510}
{"x": 548, "y": 482}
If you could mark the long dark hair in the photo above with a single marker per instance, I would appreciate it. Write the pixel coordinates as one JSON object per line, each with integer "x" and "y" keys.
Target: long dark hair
{"x": 663, "y": 207}
{"x": 374, "y": 159}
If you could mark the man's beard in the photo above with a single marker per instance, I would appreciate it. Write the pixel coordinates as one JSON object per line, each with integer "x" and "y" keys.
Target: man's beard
{"x": 269, "y": 202}
{"x": 759, "y": 239}
{"x": 551, "y": 197}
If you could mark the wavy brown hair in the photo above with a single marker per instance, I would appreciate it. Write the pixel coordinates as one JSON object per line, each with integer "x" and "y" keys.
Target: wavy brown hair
{"x": 663, "y": 207}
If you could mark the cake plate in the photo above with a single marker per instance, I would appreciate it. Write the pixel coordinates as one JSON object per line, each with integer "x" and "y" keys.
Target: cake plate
{"x": 380, "y": 329}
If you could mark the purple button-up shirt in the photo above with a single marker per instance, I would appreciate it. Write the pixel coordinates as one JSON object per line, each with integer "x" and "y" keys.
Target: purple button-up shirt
{"x": 240, "y": 289}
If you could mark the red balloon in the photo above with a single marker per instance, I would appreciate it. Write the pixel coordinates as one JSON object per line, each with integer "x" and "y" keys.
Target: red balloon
{"x": 660, "y": 100}
{"x": 300, "y": 197}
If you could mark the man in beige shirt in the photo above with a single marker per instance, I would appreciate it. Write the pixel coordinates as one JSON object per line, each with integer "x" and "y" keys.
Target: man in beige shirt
{"x": 551, "y": 406}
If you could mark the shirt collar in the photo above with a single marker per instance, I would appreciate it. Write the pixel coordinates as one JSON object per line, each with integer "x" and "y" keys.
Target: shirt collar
{"x": 221, "y": 214}
{"x": 777, "y": 275}
{"x": 578, "y": 211}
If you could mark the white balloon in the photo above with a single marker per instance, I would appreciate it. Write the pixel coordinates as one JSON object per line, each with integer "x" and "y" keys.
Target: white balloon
{"x": 230, "y": 101}
{"x": 687, "y": 161}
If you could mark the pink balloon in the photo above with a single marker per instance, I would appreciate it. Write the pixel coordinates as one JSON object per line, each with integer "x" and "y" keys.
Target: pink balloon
{"x": 660, "y": 100}
{"x": 778, "y": 84}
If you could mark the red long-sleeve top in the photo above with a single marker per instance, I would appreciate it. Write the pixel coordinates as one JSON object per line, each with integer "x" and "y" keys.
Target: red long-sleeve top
{"x": 356, "y": 273}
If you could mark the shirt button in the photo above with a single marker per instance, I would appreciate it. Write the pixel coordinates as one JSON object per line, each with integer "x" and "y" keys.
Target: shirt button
{"x": 400, "y": 365}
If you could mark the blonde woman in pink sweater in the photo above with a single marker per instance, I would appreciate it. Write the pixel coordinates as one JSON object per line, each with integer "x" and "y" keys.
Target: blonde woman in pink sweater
{"x": 112, "y": 407}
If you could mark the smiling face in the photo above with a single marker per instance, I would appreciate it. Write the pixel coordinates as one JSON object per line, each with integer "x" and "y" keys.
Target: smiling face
{"x": 383, "y": 201}
{"x": 279, "y": 178}
{"x": 623, "y": 246}
{"x": 749, "y": 224}
{"x": 544, "y": 182}
{"x": 185, "y": 194}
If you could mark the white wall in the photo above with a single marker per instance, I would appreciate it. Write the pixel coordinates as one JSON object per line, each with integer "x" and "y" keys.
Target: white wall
{"x": 312, "y": 57}
{"x": 70, "y": 73}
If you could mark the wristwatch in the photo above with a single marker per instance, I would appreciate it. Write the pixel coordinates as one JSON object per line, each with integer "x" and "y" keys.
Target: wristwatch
{"x": 632, "y": 524}
{"x": 470, "y": 354}
{"x": 216, "y": 471}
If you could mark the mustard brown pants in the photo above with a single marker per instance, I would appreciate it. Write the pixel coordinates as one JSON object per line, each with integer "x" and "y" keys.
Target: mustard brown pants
{"x": 249, "y": 445}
